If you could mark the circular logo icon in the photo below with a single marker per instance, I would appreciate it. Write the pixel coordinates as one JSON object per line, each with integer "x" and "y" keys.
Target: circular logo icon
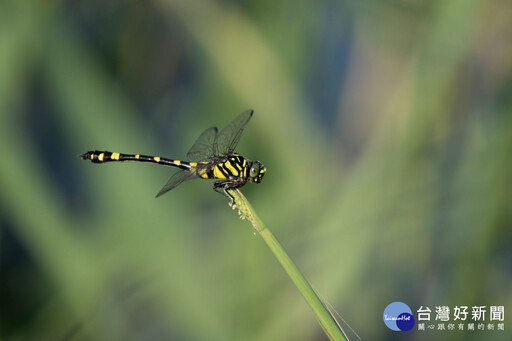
{"x": 398, "y": 317}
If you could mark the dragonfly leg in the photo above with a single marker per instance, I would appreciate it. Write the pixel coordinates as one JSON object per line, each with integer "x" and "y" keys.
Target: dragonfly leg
{"x": 223, "y": 186}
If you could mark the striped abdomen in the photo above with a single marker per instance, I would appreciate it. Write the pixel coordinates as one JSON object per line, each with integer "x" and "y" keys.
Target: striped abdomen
{"x": 231, "y": 166}
{"x": 105, "y": 156}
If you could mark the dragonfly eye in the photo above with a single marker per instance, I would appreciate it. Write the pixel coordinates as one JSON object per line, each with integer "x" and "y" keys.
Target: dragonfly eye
{"x": 255, "y": 169}
{"x": 256, "y": 172}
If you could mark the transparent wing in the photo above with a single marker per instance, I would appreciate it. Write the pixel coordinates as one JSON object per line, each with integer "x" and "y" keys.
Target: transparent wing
{"x": 176, "y": 179}
{"x": 228, "y": 137}
{"x": 203, "y": 147}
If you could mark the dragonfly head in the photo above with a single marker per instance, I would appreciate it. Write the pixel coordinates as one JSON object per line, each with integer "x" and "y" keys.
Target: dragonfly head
{"x": 256, "y": 172}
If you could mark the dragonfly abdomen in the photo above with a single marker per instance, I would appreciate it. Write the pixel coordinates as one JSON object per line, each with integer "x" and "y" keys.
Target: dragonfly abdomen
{"x": 106, "y": 156}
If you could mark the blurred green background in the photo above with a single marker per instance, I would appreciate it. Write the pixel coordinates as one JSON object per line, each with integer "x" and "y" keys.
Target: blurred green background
{"x": 385, "y": 127}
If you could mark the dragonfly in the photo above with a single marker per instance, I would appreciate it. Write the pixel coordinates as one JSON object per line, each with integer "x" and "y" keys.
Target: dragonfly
{"x": 212, "y": 156}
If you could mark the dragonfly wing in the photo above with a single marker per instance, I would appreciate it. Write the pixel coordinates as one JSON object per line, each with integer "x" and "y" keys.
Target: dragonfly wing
{"x": 203, "y": 147}
{"x": 176, "y": 179}
{"x": 228, "y": 137}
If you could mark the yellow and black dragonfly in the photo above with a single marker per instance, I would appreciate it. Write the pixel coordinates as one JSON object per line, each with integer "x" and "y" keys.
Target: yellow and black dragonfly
{"x": 211, "y": 157}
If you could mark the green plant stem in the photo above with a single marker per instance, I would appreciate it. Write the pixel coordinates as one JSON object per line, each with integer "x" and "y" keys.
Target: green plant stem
{"x": 324, "y": 317}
